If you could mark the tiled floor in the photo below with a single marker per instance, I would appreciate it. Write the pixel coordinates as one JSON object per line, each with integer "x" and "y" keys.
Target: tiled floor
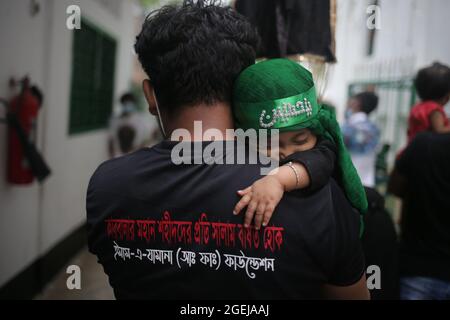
{"x": 94, "y": 282}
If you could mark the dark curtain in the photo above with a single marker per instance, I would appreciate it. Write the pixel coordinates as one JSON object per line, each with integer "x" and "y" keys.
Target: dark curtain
{"x": 289, "y": 27}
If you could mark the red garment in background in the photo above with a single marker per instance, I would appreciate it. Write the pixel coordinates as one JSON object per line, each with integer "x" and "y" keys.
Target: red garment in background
{"x": 419, "y": 118}
{"x": 25, "y": 106}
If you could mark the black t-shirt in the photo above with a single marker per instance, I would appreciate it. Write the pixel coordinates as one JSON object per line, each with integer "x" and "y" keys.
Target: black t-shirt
{"x": 380, "y": 246}
{"x": 166, "y": 231}
{"x": 425, "y": 236}
{"x": 319, "y": 162}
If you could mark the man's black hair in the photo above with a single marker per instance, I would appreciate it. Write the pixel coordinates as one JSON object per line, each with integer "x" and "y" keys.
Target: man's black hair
{"x": 433, "y": 82}
{"x": 194, "y": 52}
{"x": 368, "y": 101}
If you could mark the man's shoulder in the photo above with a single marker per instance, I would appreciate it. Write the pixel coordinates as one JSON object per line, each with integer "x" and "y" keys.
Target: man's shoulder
{"x": 324, "y": 203}
{"x": 421, "y": 140}
{"x": 333, "y": 194}
{"x": 113, "y": 172}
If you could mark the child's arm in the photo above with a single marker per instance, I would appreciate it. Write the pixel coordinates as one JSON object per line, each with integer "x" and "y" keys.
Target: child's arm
{"x": 438, "y": 123}
{"x": 307, "y": 169}
{"x": 318, "y": 163}
{"x": 263, "y": 195}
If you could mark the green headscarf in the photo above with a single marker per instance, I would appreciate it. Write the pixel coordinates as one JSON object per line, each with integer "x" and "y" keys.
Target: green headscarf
{"x": 280, "y": 94}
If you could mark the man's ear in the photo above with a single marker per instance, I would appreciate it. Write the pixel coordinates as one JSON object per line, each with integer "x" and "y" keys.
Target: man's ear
{"x": 148, "y": 92}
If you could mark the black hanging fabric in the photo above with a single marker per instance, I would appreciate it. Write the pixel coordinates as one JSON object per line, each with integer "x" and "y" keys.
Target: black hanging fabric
{"x": 289, "y": 27}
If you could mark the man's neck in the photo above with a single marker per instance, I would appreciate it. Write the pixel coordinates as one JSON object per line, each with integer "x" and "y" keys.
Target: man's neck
{"x": 196, "y": 120}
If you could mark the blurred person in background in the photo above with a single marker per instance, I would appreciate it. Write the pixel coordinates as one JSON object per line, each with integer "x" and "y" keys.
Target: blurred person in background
{"x": 130, "y": 130}
{"x": 379, "y": 240}
{"x": 422, "y": 179}
{"x": 361, "y": 135}
{"x": 433, "y": 87}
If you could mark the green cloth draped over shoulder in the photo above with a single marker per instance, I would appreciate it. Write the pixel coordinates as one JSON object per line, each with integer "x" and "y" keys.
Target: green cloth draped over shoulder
{"x": 280, "y": 94}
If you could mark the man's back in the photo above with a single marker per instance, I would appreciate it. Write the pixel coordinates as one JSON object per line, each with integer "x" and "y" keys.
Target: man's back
{"x": 167, "y": 231}
{"x": 426, "y": 213}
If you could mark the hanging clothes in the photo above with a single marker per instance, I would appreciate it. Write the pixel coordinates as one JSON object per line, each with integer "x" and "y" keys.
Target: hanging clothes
{"x": 291, "y": 27}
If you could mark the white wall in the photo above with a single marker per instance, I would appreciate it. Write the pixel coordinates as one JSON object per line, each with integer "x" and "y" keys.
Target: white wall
{"x": 413, "y": 32}
{"x": 34, "y": 218}
{"x": 19, "y": 216}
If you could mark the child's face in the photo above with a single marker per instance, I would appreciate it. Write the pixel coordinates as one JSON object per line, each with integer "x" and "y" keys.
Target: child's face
{"x": 354, "y": 105}
{"x": 294, "y": 141}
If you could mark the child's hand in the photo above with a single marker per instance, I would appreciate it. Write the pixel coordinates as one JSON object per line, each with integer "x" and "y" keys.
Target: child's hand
{"x": 260, "y": 198}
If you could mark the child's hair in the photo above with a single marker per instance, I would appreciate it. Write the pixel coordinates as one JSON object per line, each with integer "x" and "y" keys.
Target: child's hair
{"x": 368, "y": 101}
{"x": 433, "y": 82}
